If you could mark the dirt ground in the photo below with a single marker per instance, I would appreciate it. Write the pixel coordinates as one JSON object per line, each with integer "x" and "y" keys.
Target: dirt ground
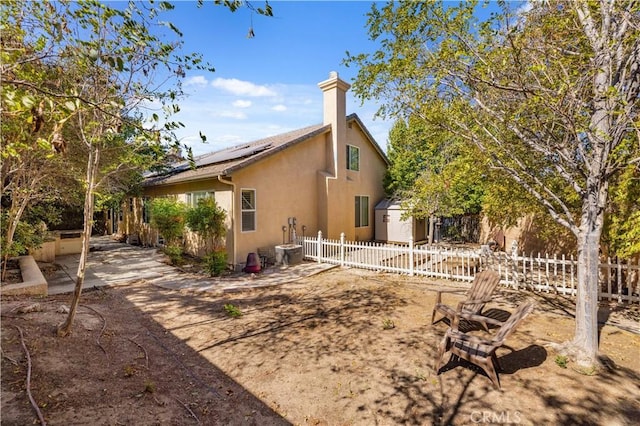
{"x": 344, "y": 347}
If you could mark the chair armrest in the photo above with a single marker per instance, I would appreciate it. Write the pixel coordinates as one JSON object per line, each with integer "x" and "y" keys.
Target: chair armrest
{"x": 453, "y": 291}
{"x": 469, "y": 338}
{"x": 439, "y": 294}
{"x": 480, "y": 318}
{"x": 462, "y": 303}
{"x": 471, "y": 317}
{"x": 472, "y": 302}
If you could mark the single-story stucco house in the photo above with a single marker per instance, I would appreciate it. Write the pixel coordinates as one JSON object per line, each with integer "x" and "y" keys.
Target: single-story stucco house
{"x": 325, "y": 177}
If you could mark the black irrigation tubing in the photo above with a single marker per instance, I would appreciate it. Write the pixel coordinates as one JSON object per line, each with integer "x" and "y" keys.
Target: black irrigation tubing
{"x": 28, "y": 384}
{"x": 196, "y": 378}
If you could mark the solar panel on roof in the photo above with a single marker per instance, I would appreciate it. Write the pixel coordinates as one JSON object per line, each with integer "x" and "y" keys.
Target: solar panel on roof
{"x": 231, "y": 154}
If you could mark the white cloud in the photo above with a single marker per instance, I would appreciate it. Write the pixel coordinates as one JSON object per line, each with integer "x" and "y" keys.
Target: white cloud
{"x": 229, "y": 119}
{"x": 238, "y": 115}
{"x": 197, "y": 80}
{"x": 240, "y": 103}
{"x": 242, "y": 88}
{"x": 228, "y": 139}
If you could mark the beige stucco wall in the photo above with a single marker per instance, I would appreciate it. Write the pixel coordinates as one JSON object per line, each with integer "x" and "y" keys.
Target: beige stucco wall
{"x": 296, "y": 183}
{"x": 348, "y": 184}
{"x": 530, "y": 237}
{"x": 285, "y": 188}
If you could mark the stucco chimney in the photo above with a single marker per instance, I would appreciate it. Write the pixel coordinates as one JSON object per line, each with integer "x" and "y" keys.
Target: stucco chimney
{"x": 335, "y": 113}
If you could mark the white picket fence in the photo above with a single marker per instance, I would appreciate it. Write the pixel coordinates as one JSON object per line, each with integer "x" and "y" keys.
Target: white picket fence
{"x": 618, "y": 281}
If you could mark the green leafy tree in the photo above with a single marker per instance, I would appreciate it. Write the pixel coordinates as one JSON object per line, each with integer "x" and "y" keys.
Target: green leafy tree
{"x": 110, "y": 64}
{"x": 168, "y": 216}
{"x": 432, "y": 172}
{"x": 622, "y": 227}
{"x": 549, "y": 95}
{"x": 33, "y": 167}
{"x": 115, "y": 68}
{"x": 409, "y": 155}
{"x": 207, "y": 219}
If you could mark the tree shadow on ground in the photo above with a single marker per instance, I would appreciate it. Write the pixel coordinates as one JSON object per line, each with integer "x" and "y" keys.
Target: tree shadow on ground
{"x": 324, "y": 339}
{"x": 129, "y": 371}
{"x": 529, "y": 357}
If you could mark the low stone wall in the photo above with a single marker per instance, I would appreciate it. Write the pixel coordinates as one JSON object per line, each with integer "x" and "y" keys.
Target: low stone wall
{"x": 33, "y": 282}
{"x": 46, "y": 253}
{"x": 68, "y": 242}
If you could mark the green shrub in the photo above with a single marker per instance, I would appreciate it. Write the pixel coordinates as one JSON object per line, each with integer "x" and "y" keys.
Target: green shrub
{"x": 388, "y": 324}
{"x": 174, "y": 253}
{"x": 232, "y": 310}
{"x": 168, "y": 216}
{"x": 561, "y": 361}
{"x": 215, "y": 263}
{"x": 26, "y": 237}
{"x": 207, "y": 219}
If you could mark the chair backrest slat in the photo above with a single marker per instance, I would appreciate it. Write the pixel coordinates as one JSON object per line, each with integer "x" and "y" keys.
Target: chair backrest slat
{"x": 484, "y": 284}
{"x": 514, "y": 320}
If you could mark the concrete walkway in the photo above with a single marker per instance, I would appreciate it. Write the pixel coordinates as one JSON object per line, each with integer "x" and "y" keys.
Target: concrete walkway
{"x": 113, "y": 263}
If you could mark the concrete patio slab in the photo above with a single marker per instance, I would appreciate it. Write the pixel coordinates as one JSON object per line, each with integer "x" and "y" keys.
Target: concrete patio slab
{"x": 113, "y": 263}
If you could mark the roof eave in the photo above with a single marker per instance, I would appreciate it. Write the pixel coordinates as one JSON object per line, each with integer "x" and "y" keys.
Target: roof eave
{"x": 268, "y": 153}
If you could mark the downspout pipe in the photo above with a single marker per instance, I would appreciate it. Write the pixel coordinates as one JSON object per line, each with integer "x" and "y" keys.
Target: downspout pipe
{"x": 233, "y": 216}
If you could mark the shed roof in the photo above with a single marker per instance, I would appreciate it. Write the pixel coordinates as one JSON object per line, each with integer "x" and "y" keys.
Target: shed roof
{"x": 389, "y": 204}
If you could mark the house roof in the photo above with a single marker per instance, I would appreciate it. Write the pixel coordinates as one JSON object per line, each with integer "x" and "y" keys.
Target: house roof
{"x": 228, "y": 160}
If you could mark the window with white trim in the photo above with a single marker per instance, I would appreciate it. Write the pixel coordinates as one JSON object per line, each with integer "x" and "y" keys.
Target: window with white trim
{"x": 192, "y": 198}
{"x": 248, "y": 210}
{"x": 353, "y": 158}
{"x": 362, "y": 211}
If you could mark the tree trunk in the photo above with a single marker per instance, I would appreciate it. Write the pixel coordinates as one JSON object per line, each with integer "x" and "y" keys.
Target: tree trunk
{"x": 432, "y": 226}
{"x": 14, "y": 219}
{"x": 585, "y": 338}
{"x": 586, "y": 331}
{"x": 92, "y": 167}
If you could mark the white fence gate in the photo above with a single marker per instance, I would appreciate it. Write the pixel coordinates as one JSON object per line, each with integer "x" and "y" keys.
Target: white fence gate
{"x": 618, "y": 281}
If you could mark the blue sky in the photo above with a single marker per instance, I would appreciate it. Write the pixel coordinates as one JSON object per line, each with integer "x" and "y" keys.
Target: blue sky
{"x": 267, "y": 85}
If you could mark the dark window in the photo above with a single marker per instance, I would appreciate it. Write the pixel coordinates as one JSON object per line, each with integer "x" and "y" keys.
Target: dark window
{"x": 248, "y": 210}
{"x": 362, "y": 211}
{"x": 353, "y": 158}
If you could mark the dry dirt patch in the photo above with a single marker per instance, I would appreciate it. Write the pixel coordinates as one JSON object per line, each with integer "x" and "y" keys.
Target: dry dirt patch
{"x": 343, "y": 347}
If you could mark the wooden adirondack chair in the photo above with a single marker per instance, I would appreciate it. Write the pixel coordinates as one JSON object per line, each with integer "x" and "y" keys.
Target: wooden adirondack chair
{"x": 481, "y": 351}
{"x": 482, "y": 288}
